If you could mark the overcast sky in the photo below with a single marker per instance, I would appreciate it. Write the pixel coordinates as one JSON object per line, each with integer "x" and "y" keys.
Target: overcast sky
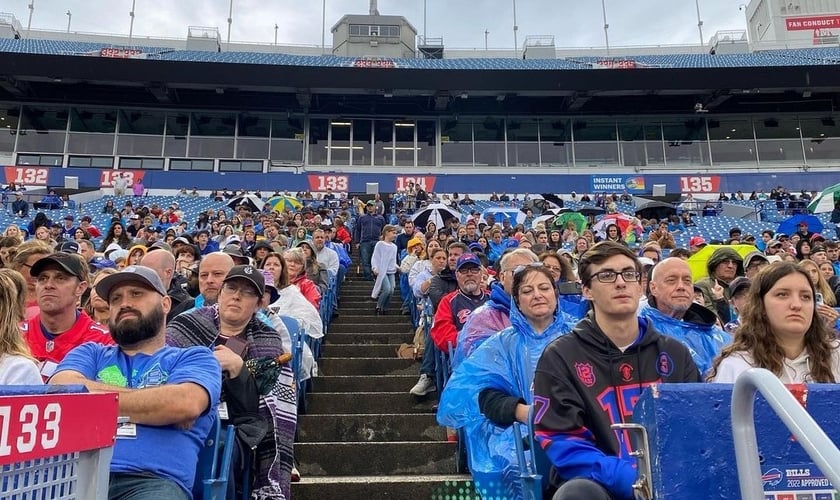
{"x": 462, "y": 23}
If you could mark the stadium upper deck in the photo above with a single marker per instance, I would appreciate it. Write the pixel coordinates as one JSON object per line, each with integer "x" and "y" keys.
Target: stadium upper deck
{"x": 170, "y": 112}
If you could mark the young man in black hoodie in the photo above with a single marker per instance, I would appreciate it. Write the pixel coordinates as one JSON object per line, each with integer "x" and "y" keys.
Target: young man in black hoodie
{"x": 591, "y": 378}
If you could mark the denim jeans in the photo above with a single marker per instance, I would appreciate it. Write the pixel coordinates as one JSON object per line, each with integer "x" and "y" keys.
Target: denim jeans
{"x": 365, "y": 253}
{"x": 385, "y": 292}
{"x": 124, "y": 486}
{"x": 427, "y": 365}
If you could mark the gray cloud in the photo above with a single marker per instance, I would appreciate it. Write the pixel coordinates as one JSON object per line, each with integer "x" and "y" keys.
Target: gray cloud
{"x": 461, "y": 23}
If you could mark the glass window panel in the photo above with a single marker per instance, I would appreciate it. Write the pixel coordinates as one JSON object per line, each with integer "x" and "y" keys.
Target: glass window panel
{"x": 555, "y": 142}
{"x": 685, "y": 142}
{"x": 778, "y": 140}
{"x": 595, "y": 142}
{"x": 180, "y": 164}
{"x": 404, "y": 144}
{"x": 9, "y": 117}
{"x": 177, "y": 125}
{"x": 212, "y": 124}
{"x": 43, "y": 129}
{"x": 523, "y": 146}
{"x": 822, "y": 139}
{"x": 248, "y": 147}
{"x": 252, "y": 166}
{"x": 141, "y": 145}
{"x": 102, "y": 121}
{"x": 732, "y": 141}
{"x": 340, "y": 142}
{"x": 288, "y": 136}
{"x": 79, "y": 161}
{"x": 142, "y": 122}
{"x": 318, "y": 133}
{"x": 85, "y": 143}
{"x": 456, "y": 142}
{"x": 251, "y": 125}
{"x": 211, "y": 147}
{"x": 130, "y": 163}
{"x": 361, "y": 142}
{"x": 489, "y": 141}
{"x": 641, "y": 143}
{"x": 426, "y": 144}
{"x": 40, "y": 160}
{"x": 383, "y": 139}
{"x": 203, "y": 165}
{"x": 152, "y": 163}
{"x": 230, "y": 166}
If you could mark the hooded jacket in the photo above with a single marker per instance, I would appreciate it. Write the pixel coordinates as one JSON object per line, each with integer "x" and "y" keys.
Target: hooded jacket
{"x": 504, "y": 362}
{"x": 706, "y": 284}
{"x": 584, "y": 383}
{"x": 490, "y": 318}
{"x": 697, "y": 330}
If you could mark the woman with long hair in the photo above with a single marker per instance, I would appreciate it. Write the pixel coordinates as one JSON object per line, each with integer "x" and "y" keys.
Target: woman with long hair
{"x": 13, "y": 231}
{"x": 299, "y": 235}
{"x": 781, "y": 332}
{"x": 559, "y": 267}
{"x": 803, "y": 249}
{"x": 17, "y": 366}
{"x": 80, "y": 234}
{"x": 28, "y": 253}
{"x": 116, "y": 234}
{"x": 290, "y": 301}
{"x": 555, "y": 242}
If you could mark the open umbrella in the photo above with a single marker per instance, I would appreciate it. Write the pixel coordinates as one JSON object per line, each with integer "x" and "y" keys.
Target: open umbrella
{"x": 622, "y": 220}
{"x": 549, "y": 215}
{"x": 699, "y": 260}
{"x": 588, "y": 210}
{"x": 437, "y": 213}
{"x": 514, "y": 214}
{"x": 576, "y": 218}
{"x": 825, "y": 201}
{"x": 282, "y": 203}
{"x": 655, "y": 209}
{"x": 789, "y": 225}
{"x": 253, "y": 202}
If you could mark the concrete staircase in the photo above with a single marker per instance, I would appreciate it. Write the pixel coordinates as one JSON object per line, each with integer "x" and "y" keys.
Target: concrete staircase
{"x": 364, "y": 436}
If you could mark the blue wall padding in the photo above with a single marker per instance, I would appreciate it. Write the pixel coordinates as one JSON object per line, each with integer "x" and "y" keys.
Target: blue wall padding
{"x": 690, "y": 433}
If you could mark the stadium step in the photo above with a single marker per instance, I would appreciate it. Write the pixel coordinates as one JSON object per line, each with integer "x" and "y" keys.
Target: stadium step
{"x": 363, "y": 434}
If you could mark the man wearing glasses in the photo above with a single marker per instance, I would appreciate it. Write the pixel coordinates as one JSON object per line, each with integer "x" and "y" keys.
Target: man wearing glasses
{"x": 591, "y": 378}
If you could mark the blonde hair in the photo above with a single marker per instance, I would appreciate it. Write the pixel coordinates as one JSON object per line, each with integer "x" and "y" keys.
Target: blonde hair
{"x": 88, "y": 307}
{"x": 12, "y": 312}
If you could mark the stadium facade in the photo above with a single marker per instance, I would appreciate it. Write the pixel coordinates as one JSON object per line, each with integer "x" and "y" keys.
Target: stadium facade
{"x": 204, "y": 114}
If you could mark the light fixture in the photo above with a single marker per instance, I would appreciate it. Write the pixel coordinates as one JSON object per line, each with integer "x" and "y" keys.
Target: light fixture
{"x": 404, "y": 124}
{"x": 340, "y": 124}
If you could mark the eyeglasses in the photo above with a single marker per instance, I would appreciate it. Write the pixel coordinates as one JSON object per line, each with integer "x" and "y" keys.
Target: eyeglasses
{"x": 610, "y": 276}
{"x": 244, "y": 290}
{"x": 470, "y": 270}
{"x": 554, "y": 268}
{"x": 532, "y": 265}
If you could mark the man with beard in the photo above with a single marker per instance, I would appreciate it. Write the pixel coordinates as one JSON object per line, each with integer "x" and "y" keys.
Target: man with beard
{"x": 168, "y": 394}
{"x": 453, "y": 311}
{"x": 60, "y": 280}
{"x": 671, "y": 309}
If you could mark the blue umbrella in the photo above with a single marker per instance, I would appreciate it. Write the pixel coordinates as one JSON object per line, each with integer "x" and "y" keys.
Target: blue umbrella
{"x": 789, "y": 226}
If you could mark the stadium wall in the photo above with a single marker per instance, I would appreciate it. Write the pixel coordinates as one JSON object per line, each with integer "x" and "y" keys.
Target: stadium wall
{"x": 461, "y": 183}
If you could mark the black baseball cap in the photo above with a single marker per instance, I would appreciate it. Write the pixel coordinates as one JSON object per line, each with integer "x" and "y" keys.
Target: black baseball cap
{"x": 69, "y": 247}
{"x": 249, "y": 273}
{"x": 69, "y": 263}
{"x": 739, "y": 284}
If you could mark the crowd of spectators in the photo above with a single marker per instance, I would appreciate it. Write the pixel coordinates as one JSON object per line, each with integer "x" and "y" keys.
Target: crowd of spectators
{"x": 623, "y": 296}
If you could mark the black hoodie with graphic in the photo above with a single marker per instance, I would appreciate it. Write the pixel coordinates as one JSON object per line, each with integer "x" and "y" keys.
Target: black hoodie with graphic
{"x": 584, "y": 383}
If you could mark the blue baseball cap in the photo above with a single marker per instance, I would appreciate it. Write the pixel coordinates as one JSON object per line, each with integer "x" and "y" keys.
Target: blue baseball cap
{"x": 467, "y": 259}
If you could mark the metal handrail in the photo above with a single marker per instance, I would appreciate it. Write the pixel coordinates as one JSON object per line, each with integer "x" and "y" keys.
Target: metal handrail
{"x": 806, "y": 431}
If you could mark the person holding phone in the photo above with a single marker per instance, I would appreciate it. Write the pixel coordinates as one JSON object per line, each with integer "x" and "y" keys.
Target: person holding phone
{"x": 256, "y": 375}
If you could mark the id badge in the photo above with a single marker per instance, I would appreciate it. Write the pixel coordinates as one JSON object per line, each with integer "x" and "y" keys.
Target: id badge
{"x": 223, "y": 410}
{"x": 126, "y": 430}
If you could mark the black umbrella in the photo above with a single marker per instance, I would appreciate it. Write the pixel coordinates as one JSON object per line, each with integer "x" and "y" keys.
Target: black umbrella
{"x": 590, "y": 210}
{"x": 655, "y": 209}
{"x": 437, "y": 213}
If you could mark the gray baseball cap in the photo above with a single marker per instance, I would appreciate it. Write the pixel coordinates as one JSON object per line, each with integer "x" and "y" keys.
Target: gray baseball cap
{"x": 142, "y": 275}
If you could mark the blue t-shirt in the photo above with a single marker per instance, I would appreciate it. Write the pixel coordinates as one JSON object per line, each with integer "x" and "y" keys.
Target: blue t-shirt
{"x": 165, "y": 451}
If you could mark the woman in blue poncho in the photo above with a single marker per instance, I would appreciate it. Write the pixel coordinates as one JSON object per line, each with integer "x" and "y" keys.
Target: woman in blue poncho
{"x": 490, "y": 390}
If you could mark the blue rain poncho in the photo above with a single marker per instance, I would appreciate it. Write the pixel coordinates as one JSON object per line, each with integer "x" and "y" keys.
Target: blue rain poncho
{"x": 505, "y": 362}
{"x": 697, "y": 331}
